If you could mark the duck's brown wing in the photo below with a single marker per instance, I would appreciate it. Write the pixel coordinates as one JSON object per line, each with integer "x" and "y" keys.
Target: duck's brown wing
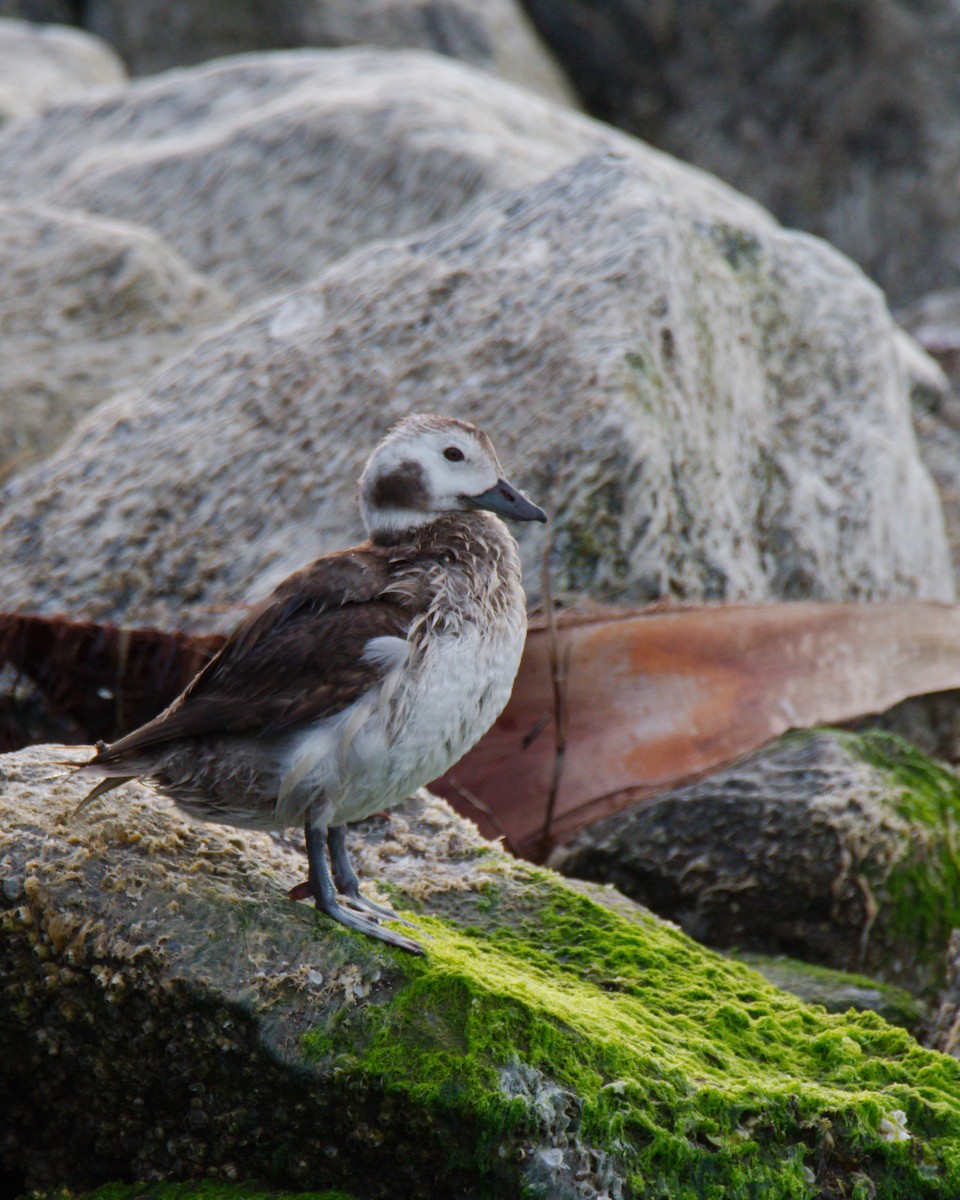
{"x": 298, "y": 656}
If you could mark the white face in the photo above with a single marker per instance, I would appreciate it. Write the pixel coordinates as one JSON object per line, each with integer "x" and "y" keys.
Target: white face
{"x": 425, "y": 467}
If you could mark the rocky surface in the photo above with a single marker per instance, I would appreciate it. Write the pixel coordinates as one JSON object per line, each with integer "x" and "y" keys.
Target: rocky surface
{"x": 167, "y": 1013}
{"x": 642, "y": 376}
{"x": 360, "y": 145}
{"x": 843, "y": 118}
{"x": 833, "y": 848}
{"x": 40, "y": 65}
{"x": 839, "y": 991}
{"x": 939, "y": 445}
{"x": 934, "y": 322}
{"x": 89, "y": 307}
{"x": 300, "y": 158}
{"x": 945, "y": 1027}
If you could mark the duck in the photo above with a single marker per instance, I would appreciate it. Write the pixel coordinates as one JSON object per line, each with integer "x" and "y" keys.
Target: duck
{"x": 363, "y": 676}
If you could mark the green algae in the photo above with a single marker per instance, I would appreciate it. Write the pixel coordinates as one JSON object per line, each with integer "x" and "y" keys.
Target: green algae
{"x": 188, "y": 1191}
{"x": 921, "y": 894}
{"x": 698, "y": 1078}
{"x": 838, "y": 991}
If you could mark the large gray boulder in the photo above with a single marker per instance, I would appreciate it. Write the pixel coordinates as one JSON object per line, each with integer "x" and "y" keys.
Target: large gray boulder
{"x": 710, "y": 407}
{"x": 88, "y": 308}
{"x": 298, "y": 158}
{"x": 843, "y": 118}
{"x": 41, "y": 65}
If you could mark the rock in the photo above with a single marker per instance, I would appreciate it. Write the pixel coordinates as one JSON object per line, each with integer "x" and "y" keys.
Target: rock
{"x": 939, "y": 444}
{"x": 641, "y": 375}
{"x": 836, "y": 991}
{"x": 89, "y": 307}
{"x": 42, "y": 65}
{"x": 61, "y": 12}
{"x": 831, "y": 848}
{"x": 934, "y": 323}
{"x": 842, "y": 119}
{"x": 945, "y": 1028}
{"x": 930, "y": 722}
{"x": 300, "y": 158}
{"x": 167, "y": 1013}
{"x": 839, "y": 991}
{"x": 495, "y": 35}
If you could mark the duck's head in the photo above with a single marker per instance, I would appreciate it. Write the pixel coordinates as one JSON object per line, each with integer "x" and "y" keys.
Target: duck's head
{"x": 427, "y": 466}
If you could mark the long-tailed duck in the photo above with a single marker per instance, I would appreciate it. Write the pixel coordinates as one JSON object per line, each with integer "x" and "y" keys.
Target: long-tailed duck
{"x": 364, "y": 675}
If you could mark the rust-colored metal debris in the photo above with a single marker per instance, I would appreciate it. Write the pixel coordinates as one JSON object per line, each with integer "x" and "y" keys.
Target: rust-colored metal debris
{"x": 653, "y": 700}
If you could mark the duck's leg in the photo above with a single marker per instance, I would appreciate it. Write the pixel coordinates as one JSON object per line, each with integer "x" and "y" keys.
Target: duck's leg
{"x": 325, "y": 893}
{"x": 347, "y": 882}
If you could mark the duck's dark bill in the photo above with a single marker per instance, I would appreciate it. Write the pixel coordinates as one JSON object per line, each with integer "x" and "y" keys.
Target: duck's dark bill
{"x": 507, "y": 501}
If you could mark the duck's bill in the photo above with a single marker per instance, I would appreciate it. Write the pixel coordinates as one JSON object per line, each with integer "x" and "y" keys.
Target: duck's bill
{"x": 507, "y": 501}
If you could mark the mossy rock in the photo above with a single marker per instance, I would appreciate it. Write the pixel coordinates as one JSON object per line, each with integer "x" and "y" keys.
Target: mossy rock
{"x": 183, "y": 1191}
{"x": 839, "y": 991}
{"x": 830, "y": 847}
{"x": 166, "y": 1012}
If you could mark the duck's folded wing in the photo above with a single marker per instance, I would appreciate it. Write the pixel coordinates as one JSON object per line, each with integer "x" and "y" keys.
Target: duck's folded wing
{"x": 299, "y": 656}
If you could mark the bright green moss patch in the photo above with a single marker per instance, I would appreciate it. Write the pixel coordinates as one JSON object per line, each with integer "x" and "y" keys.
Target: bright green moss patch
{"x": 698, "y": 1077}
{"x": 192, "y": 1191}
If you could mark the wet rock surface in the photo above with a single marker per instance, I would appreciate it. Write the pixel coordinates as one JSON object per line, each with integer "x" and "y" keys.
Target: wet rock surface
{"x": 163, "y": 982}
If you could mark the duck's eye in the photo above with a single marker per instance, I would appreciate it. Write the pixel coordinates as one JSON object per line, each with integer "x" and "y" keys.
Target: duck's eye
{"x": 453, "y": 454}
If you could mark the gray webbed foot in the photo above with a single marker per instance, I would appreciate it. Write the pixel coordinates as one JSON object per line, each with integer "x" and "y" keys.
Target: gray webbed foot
{"x": 348, "y": 885}
{"x": 321, "y": 887}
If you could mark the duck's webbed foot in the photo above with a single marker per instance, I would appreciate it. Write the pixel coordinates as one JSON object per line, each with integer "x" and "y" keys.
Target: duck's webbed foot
{"x": 348, "y": 885}
{"x": 321, "y": 887}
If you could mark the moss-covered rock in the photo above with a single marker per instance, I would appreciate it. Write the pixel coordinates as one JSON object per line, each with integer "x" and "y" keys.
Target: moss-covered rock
{"x": 838, "y": 991}
{"x": 185, "y": 1191}
{"x": 831, "y": 847}
{"x": 166, "y": 1012}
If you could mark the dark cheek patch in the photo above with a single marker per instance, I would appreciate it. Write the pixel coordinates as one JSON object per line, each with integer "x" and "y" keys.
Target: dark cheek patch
{"x": 403, "y": 487}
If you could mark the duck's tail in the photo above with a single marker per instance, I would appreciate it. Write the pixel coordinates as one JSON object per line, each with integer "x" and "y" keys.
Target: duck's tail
{"x": 91, "y": 767}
